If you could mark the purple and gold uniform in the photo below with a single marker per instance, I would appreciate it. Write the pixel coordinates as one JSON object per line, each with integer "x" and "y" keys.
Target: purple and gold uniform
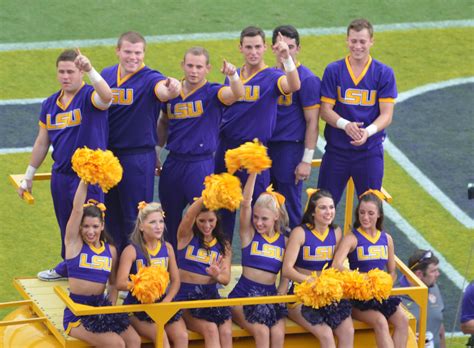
{"x": 193, "y": 129}
{"x": 253, "y": 116}
{"x": 195, "y": 258}
{"x": 76, "y": 124}
{"x": 467, "y": 308}
{"x": 356, "y": 100}
{"x": 132, "y": 138}
{"x": 286, "y": 146}
{"x": 371, "y": 253}
{"x": 266, "y": 254}
{"x": 317, "y": 251}
{"x": 94, "y": 265}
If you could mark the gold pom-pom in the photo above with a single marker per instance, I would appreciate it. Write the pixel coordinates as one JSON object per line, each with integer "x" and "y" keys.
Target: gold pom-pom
{"x": 250, "y": 155}
{"x": 319, "y": 291}
{"x": 356, "y": 285}
{"x": 222, "y": 191}
{"x": 149, "y": 284}
{"x": 381, "y": 284}
{"x": 97, "y": 167}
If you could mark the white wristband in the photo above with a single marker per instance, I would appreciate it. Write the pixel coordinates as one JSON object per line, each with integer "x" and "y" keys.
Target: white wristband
{"x": 372, "y": 129}
{"x": 30, "y": 173}
{"x": 158, "y": 149}
{"x": 94, "y": 76}
{"x": 289, "y": 64}
{"x": 307, "y": 156}
{"x": 342, "y": 123}
{"x": 234, "y": 77}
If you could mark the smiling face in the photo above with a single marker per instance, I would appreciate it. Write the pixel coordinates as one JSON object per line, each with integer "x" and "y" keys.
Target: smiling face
{"x": 69, "y": 76}
{"x": 264, "y": 220}
{"x": 91, "y": 228}
{"x": 359, "y": 44}
{"x": 206, "y": 222}
{"x": 131, "y": 56}
{"x": 368, "y": 215}
{"x": 253, "y": 49}
{"x": 324, "y": 211}
{"x": 153, "y": 226}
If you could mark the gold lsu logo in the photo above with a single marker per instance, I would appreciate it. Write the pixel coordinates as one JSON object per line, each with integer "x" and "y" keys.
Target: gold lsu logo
{"x": 285, "y": 100}
{"x": 321, "y": 253}
{"x": 267, "y": 250}
{"x": 354, "y": 96}
{"x": 251, "y": 94}
{"x": 201, "y": 256}
{"x": 374, "y": 252}
{"x": 64, "y": 119}
{"x": 96, "y": 262}
{"x": 185, "y": 110}
{"x": 155, "y": 261}
{"x": 122, "y": 96}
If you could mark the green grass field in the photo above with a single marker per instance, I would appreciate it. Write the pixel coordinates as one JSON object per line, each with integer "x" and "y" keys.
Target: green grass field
{"x": 417, "y": 56}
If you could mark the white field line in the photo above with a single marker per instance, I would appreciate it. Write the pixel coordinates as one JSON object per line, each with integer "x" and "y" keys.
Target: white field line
{"x": 229, "y": 35}
{"x": 412, "y": 170}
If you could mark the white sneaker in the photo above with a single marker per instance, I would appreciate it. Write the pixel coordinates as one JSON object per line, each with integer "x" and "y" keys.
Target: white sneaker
{"x": 123, "y": 294}
{"x": 50, "y": 275}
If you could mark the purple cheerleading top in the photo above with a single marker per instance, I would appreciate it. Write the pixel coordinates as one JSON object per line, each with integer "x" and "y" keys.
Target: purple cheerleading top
{"x": 264, "y": 253}
{"x": 317, "y": 251}
{"x": 195, "y": 259}
{"x": 291, "y": 123}
{"x": 357, "y": 99}
{"x": 78, "y": 123}
{"x": 158, "y": 257}
{"x": 92, "y": 264}
{"x": 194, "y": 120}
{"x": 254, "y": 115}
{"x": 135, "y": 108}
{"x": 370, "y": 252}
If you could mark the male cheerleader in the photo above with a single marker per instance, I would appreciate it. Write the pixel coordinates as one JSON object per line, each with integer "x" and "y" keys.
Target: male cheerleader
{"x": 73, "y": 117}
{"x": 254, "y": 115}
{"x": 358, "y": 95}
{"x": 189, "y": 125}
{"x": 137, "y": 95}
{"x": 291, "y": 147}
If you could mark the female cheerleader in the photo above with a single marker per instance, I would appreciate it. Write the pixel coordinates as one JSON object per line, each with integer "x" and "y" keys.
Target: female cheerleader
{"x": 263, "y": 247}
{"x": 310, "y": 247}
{"x": 204, "y": 259}
{"x": 369, "y": 247}
{"x": 91, "y": 263}
{"x": 149, "y": 249}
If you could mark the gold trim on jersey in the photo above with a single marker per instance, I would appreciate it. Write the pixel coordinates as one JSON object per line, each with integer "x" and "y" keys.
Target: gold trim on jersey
{"x": 244, "y": 81}
{"x": 387, "y": 100}
{"x": 98, "y": 250}
{"x": 367, "y": 236}
{"x": 120, "y": 80}
{"x": 321, "y": 236}
{"x": 356, "y": 80}
{"x": 311, "y": 107}
{"x": 183, "y": 96}
{"x": 211, "y": 243}
{"x": 154, "y": 252}
{"x": 61, "y": 105}
{"x": 328, "y": 100}
{"x": 269, "y": 239}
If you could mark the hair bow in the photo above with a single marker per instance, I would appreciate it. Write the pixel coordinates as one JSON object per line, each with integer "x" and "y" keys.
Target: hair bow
{"x": 309, "y": 191}
{"x": 278, "y": 196}
{"x": 101, "y": 206}
{"x": 379, "y": 194}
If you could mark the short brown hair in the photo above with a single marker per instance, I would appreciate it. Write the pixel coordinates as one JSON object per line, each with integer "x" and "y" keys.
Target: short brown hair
{"x": 360, "y": 24}
{"x": 66, "y": 56}
{"x": 132, "y": 37}
{"x": 198, "y": 51}
{"x": 252, "y": 31}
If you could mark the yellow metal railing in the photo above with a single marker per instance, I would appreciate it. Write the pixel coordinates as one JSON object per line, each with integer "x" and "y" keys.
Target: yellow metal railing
{"x": 19, "y": 321}
{"x": 162, "y": 312}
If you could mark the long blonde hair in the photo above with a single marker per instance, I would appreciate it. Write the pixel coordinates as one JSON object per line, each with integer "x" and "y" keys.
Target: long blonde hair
{"x": 269, "y": 201}
{"x": 144, "y": 210}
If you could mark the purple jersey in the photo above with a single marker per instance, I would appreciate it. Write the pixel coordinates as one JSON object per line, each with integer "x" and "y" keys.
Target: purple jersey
{"x": 357, "y": 99}
{"x": 254, "y": 115}
{"x": 317, "y": 251}
{"x": 194, "y": 258}
{"x": 467, "y": 309}
{"x": 158, "y": 257}
{"x": 134, "y": 110}
{"x": 264, "y": 253}
{"x": 92, "y": 264}
{"x": 370, "y": 252}
{"x": 76, "y": 124}
{"x": 194, "y": 120}
{"x": 291, "y": 123}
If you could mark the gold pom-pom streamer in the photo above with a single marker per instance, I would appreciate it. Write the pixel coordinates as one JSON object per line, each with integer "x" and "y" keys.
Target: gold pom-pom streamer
{"x": 222, "y": 191}
{"x": 381, "y": 283}
{"x": 356, "y": 285}
{"x": 319, "y": 291}
{"x": 97, "y": 167}
{"x": 250, "y": 155}
{"x": 149, "y": 284}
